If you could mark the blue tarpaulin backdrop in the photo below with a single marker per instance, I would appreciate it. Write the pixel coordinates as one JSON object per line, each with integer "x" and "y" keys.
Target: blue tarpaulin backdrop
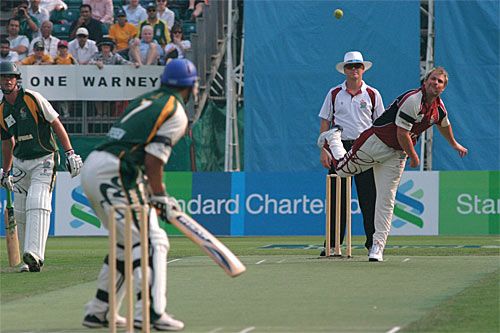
{"x": 467, "y": 45}
{"x": 291, "y": 48}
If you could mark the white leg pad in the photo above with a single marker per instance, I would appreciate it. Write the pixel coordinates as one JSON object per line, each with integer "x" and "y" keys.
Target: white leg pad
{"x": 100, "y": 303}
{"x": 158, "y": 272}
{"x": 20, "y": 215}
{"x": 38, "y": 208}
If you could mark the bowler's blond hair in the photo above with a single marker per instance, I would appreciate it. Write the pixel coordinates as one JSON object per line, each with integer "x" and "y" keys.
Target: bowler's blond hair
{"x": 438, "y": 70}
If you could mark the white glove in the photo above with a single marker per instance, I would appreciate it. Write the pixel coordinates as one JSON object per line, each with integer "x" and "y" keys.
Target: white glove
{"x": 6, "y": 180}
{"x": 74, "y": 163}
{"x": 321, "y": 139}
{"x": 164, "y": 205}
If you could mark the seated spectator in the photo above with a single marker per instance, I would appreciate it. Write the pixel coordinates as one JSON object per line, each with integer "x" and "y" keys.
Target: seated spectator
{"x": 165, "y": 14}
{"x": 18, "y": 43}
{"x": 195, "y": 8}
{"x": 161, "y": 33}
{"x": 135, "y": 12}
{"x": 106, "y": 56}
{"x": 40, "y": 57}
{"x": 41, "y": 14}
{"x": 53, "y": 5}
{"x": 145, "y": 51}
{"x": 63, "y": 56}
{"x": 102, "y": 10}
{"x": 50, "y": 42}
{"x": 82, "y": 48}
{"x": 86, "y": 21}
{"x": 28, "y": 25}
{"x": 5, "y": 53}
{"x": 122, "y": 32}
{"x": 178, "y": 47}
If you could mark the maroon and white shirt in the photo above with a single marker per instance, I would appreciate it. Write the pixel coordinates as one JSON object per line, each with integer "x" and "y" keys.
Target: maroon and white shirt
{"x": 355, "y": 113}
{"x": 410, "y": 112}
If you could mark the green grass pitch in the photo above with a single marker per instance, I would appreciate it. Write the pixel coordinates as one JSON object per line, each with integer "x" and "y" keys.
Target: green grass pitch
{"x": 425, "y": 284}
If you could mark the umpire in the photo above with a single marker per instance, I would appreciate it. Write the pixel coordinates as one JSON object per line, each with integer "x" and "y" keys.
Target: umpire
{"x": 354, "y": 106}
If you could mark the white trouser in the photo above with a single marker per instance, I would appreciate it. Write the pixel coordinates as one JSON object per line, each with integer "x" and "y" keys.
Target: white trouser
{"x": 103, "y": 186}
{"x": 388, "y": 165}
{"x": 33, "y": 185}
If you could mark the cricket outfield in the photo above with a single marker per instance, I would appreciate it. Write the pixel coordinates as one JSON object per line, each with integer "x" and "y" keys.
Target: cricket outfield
{"x": 425, "y": 284}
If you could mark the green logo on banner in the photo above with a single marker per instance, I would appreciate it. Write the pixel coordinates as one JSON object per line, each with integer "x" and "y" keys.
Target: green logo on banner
{"x": 469, "y": 202}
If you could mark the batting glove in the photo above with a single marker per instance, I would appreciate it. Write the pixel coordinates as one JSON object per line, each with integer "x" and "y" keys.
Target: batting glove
{"x": 74, "y": 163}
{"x": 6, "y": 180}
{"x": 164, "y": 205}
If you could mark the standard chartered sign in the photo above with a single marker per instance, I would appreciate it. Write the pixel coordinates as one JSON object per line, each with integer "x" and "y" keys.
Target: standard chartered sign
{"x": 474, "y": 204}
{"x": 255, "y": 204}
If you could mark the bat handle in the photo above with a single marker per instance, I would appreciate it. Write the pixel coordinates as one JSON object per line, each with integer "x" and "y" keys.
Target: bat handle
{"x": 9, "y": 199}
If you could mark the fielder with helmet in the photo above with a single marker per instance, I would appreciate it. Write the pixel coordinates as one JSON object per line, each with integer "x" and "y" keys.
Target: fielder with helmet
{"x": 27, "y": 124}
{"x": 128, "y": 170}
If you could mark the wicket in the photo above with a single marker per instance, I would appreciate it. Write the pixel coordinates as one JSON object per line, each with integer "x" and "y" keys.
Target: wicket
{"x": 142, "y": 213}
{"x": 338, "y": 207}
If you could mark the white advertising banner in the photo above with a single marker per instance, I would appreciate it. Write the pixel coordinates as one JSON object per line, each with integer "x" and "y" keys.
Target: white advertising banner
{"x": 417, "y": 204}
{"x": 88, "y": 83}
{"x": 74, "y": 216}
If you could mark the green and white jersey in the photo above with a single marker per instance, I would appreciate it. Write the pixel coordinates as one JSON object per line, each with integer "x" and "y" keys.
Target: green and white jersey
{"x": 152, "y": 123}
{"x": 28, "y": 121}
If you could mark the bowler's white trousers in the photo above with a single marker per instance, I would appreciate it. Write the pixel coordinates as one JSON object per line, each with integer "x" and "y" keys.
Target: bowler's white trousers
{"x": 368, "y": 151}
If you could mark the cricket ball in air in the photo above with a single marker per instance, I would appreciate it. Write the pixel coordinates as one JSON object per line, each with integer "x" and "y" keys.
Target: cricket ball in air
{"x": 338, "y": 13}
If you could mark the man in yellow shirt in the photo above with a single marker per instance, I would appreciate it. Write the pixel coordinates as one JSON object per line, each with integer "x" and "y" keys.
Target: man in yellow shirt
{"x": 122, "y": 32}
{"x": 39, "y": 57}
{"x": 160, "y": 28}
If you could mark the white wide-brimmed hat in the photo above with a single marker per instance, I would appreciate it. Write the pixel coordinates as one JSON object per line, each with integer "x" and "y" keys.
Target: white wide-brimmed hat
{"x": 353, "y": 57}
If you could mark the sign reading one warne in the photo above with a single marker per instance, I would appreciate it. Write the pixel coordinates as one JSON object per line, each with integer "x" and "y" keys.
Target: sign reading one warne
{"x": 88, "y": 83}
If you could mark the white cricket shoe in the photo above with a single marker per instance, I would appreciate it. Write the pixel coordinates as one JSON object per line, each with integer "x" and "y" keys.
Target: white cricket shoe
{"x": 23, "y": 268}
{"x": 164, "y": 323}
{"x": 376, "y": 252}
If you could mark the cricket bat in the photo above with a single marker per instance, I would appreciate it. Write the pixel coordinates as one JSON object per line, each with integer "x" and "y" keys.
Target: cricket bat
{"x": 208, "y": 243}
{"x": 11, "y": 233}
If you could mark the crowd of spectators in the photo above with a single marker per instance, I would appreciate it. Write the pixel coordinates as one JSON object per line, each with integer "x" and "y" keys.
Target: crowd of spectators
{"x": 147, "y": 33}
{"x": 98, "y": 33}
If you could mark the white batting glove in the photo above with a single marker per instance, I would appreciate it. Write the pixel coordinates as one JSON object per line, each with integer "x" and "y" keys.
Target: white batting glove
{"x": 74, "y": 163}
{"x": 164, "y": 205}
{"x": 6, "y": 180}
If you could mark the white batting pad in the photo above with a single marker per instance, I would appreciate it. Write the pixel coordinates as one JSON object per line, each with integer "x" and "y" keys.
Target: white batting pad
{"x": 37, "y": 219}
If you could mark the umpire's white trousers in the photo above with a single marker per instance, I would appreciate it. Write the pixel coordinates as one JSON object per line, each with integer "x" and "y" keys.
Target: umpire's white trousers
{"x": 103, "y": 186}
{"x": 388, "y": 164}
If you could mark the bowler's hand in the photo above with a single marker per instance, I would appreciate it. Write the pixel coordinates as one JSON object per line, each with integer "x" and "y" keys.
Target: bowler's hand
{"x": 462, "y": 151}
{"x": 414, "y": 162}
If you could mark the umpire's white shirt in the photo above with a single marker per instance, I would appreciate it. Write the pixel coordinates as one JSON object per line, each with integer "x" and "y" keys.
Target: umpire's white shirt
{"x": 354, "y": 113}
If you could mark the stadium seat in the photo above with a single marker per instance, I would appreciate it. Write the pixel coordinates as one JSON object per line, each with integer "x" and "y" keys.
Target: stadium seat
{"x": 61, "y": 31}
{"x": 72, "y": 14}
{"x": 188, "y": 28}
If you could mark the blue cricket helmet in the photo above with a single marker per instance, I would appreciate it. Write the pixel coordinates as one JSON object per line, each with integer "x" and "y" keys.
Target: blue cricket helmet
{"x": 180, "y": 73}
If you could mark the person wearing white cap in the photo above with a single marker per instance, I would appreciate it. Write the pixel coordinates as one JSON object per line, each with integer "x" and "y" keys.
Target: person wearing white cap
{"x": 354, "y": 106}
{"x": 386, "y": 145}
{"x": 82, "y": 48}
